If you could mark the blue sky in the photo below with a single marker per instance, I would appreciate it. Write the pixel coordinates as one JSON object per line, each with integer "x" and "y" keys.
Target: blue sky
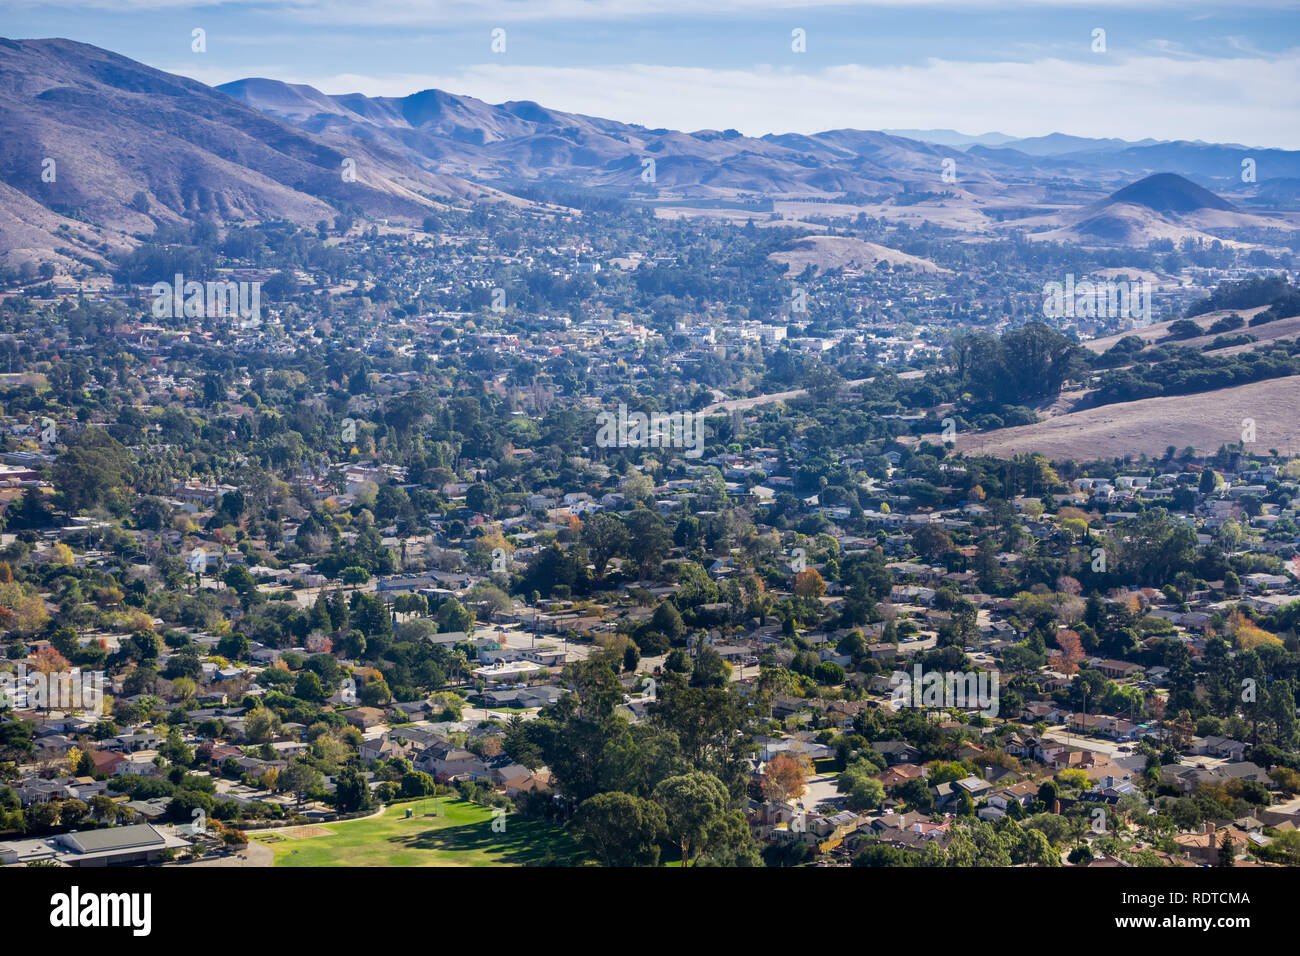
{"x": 1222, "y": 72}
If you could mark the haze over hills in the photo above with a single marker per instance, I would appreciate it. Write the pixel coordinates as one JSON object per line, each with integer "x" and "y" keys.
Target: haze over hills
{"x": 134, "y": 148}
{"x": 524, "y": 141}
{"x": 1053, "y": 144}
{"x": 521, "y": 142}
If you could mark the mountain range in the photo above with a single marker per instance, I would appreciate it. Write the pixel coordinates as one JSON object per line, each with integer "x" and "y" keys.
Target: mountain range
{"x": 101, "y": 150}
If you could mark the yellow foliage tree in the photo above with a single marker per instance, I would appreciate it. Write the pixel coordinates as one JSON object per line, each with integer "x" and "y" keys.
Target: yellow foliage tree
{"x": 1248, "y": 634}
{"x": 809, "y": 584}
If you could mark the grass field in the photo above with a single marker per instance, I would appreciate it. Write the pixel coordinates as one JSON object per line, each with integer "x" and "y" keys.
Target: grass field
{"x": 1204, "y": 420}
{"x": 460, "y": 834}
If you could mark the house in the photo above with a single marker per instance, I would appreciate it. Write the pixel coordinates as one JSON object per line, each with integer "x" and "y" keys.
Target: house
{"x": 383, "y": 747}
{"x": 900, "y": 774}
{"x": 1188, "y": 779}
{"x": 1100, "y": 725}
{"x": 795, "y": 746}
{"x": 133, "y": 741}
{"x": 896, "y": 751}
{"x": 364, "y": 718}
{"x": 1042, "y": 710}
{"x": 946, "y": 794}
{"x": 446, "y": 762}
{"x": 141, "y": 762}
{"x": 1023, "y": 793}
{"x": 1020, "y": 746}
{"x": 1115, "y": 669}
{"x": 106, "y": 761}
{"x": 1225, "y": 747}
{"x": 540, "y": 696}
{"x": 528, "y": 783}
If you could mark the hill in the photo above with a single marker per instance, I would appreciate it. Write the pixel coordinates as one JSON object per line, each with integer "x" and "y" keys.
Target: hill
{"x": 1204, "y": 421}
{"x": 1168, "y": 193}
{"x": 1161, "y": 206}
{"x": 523, "y": 141}
{"x": 124, "y": 147}
{"x": 835, "y": 252}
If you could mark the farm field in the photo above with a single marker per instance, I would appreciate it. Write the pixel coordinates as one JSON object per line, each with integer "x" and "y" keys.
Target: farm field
{"x": 441, "y": 832}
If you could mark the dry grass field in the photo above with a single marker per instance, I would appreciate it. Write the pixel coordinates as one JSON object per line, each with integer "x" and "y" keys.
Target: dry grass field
{"x": 1150, "y": 425}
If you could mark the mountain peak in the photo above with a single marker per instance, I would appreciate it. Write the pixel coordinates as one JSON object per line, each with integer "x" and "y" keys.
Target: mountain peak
{"x": 1169, "y": 193}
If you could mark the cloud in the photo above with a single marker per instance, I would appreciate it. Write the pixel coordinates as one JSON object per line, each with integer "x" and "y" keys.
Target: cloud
{"x": 1251, "y": 100}
{"x": 441, "y": 12}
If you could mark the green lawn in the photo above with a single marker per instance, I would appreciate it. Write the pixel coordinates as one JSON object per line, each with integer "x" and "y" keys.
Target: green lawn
{"x": 460, "y": 834}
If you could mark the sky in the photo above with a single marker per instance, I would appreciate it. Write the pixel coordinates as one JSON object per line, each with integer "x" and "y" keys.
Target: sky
{"x": 1223, "y": 72}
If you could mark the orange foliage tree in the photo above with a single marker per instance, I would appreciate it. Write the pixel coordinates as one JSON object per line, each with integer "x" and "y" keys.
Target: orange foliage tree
{"x": 1072, "y": 647}
{"x": 786, "y": 777}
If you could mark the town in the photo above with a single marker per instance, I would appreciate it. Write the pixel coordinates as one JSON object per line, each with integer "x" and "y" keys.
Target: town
{"x": 427, "y": 481}
{"x": 380, "y": 560}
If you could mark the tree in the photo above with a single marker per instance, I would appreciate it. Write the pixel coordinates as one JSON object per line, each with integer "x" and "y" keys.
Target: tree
{"x": 1025, "y": 366}
{"x": 604, "y": 537}
{"x": 417, "y": 783}
{"x": 92, "y": 470}
{"x": 1072, "y": 650}
{"x": 866, "y": 793}
{"x": 710, "y": 669}
{"x": 259, "y": 724}
{"x": 1226, "y": 850}
{"x": 375, "y": 693}
{"x": 648, "y": 540}
{"x": 454, "y": 616}
{"x": 931, "y": 542}
{"x": 620, "y": 829}
{"x": 694, "y": 804}
{"x": 517, "y": 744}
{"x": 354, "y": 575}
{"x": 308, "y": 687}
{"x": 300, "y": 779}
{"x": 808, "y": 584}
{"x": 103, "y": 808}
{"x": 1156, "y": 546}
{"x": 481, "y": 498}
{"x": 47, "y": 661}
{"x": 667, "y": 620}
{"x": 785, "y": 777}
{"x": 1047, "y": 795}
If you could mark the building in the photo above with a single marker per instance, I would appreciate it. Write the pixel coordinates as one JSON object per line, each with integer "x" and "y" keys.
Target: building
{"x": 113, "y": 846}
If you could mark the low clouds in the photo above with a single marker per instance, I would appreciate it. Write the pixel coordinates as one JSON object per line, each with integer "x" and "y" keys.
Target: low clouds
{"x": 1248, "y": 100}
